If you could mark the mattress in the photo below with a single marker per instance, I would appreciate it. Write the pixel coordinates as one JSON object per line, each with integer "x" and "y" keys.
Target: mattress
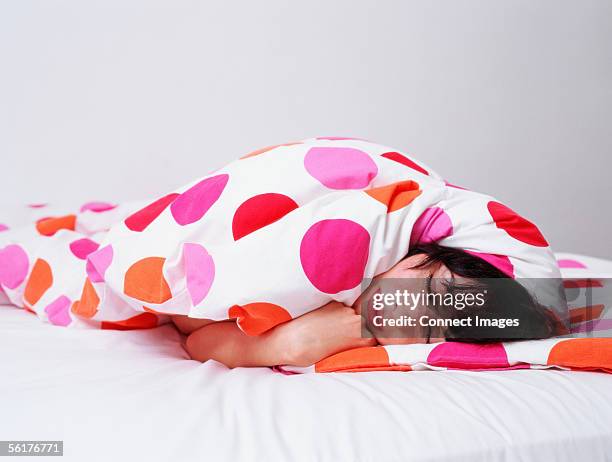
{"x": 114, "y": 395}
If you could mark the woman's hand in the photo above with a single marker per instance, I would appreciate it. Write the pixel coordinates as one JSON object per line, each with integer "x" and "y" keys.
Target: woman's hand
{"x": 320, "y": 333}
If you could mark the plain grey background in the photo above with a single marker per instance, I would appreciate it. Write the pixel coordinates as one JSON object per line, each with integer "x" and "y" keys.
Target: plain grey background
{"x": 120, "y": 100}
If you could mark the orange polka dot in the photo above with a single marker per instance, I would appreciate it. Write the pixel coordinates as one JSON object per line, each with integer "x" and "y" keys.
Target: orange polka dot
{"x": 50, "y": 226}
{"x": 397, "y": 195}
{"x": 140, "y": 321}
{"x": 41, "y": 278}
{"x": 87, "y": 306}
{"x": 585, "y": 313}
{"x": 268, "y": 148}
{"x": 357, "y": 358}
{"x": 582, "y": 353}
{"x": 256, "y": 318}
{"x": 145, "y": 281}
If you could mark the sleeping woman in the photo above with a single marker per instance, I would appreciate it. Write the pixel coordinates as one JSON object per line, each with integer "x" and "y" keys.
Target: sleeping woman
{"x": 336, "y": 327}
{"x": 275, "y": 258}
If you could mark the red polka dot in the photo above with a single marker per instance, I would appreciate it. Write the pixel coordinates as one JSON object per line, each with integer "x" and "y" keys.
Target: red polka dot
{"x": 260, "y": 211}
{"x": 81, "y": 248}
{"x": 515, "y": 225}
{"x": 397, "y": 157}
{"x": 140, "y": 321}
{"x": 140, "y": 220}
{"x": 454, "y": 186}
{"x": 145, "y": 281}
{"x": 458, "y": 355}
{"x": 191, "y": 205}
{"x": 334, "y": 254}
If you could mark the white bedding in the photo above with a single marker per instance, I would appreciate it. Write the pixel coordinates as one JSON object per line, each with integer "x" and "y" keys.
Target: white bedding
{"x": 114, "y": 395}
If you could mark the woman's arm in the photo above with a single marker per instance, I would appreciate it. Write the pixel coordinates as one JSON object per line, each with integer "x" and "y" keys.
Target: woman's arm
{"x": 300, "y": 342}
{"x": 187, "y": 325}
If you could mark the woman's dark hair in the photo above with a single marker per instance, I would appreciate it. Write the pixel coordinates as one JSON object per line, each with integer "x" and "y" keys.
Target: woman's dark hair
{"x": 505, "y": 298}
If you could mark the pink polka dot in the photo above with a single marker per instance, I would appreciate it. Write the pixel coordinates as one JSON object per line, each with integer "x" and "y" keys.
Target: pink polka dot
{"x": 98, "y": 262}
{"x": 433, "y": 225}
{"x": 14, "y": 265}
{"x": 58, "y": 311}
{"x": 3, "y": 227}
{"x": 334, "y": 254}
{"x": 567, "y": 263}
{"x": 458, "y": 355}
{"x": 199, "y": 271}
{"x": 501, "y": 262}
{"x": 97, "y": 207}
{"x": 340, "y": 168}
{"x": 190, "y": 206}
{"x": 37, "y": 206}
{"x": 83, "y": 247}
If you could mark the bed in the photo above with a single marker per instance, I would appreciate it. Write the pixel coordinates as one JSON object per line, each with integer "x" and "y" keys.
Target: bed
{"x": 134, "y": 395}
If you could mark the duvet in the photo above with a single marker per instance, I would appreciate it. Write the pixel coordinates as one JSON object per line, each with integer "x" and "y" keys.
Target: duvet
{"x": 271, "y": 236}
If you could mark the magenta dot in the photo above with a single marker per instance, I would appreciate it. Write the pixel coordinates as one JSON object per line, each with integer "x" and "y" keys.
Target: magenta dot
{"x": 334, "y": 254}
{"x": 190, "y": 206}
{"x": 501, "y": 262}
{"x": 97, "y": 207}
{"x": 199, "y": 271}
{"x": 458, "y": 355}
{"x": 81, "y": 248}
{"x": 3, "y": 227}
{"x": 14, "y": 265}
{"x": 340, "y": 168}
{"x": 567, "y": 263}
{"x": 58, "y": 311}
{"x": 98, "y": 262}
{"x": 433, "y": 225}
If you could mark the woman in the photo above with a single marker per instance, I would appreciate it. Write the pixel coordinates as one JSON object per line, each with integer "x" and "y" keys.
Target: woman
{"x": 268, "y": 260}
{"x": 335, "y": 327}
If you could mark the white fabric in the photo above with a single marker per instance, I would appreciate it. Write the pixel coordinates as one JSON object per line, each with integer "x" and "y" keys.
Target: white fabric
{"x": 113, "y": 395}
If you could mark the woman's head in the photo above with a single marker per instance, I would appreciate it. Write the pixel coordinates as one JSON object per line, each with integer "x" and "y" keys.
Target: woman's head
{"x": 452, "y": 274}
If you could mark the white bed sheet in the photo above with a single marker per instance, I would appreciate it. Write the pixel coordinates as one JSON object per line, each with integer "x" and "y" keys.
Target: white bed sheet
{"x": 134, "y": 396}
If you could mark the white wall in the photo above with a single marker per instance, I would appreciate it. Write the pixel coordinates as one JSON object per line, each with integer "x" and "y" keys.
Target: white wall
{"x": 126, "y": 99}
